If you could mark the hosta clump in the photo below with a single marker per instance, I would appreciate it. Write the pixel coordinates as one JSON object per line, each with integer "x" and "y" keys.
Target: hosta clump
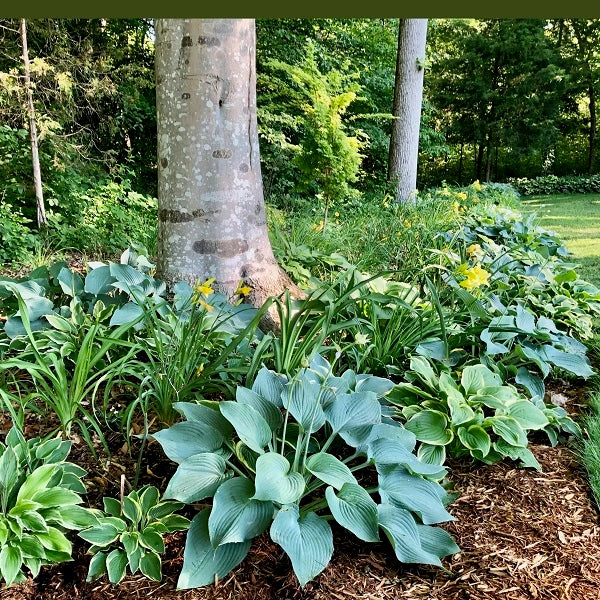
{"x": 40, "y": 495}
{"x": 476, "y": 415}
{"x": 287, "y": 451}
{"x": 131, "y": 534}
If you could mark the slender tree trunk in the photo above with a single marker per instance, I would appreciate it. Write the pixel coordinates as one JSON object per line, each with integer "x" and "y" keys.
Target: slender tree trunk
{"x": 479, "y": 163}
{"x": 42, "y": 221}
{"x": 488, "y": 161}
{"x": 408, "y": 97}
{"x": 460, "y": 164}
{"x": 212, "y": 220}
{"x": 592, "y": 134}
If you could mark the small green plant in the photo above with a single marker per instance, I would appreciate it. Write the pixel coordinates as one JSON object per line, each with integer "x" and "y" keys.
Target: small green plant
{"x": 288, "y": 449}
{"x": 40, "y": 498}
{"x": 478, "y": 416}
{"x": 131, "y": 535}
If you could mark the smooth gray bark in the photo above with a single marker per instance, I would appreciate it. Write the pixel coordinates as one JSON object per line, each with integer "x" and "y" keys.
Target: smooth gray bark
{"x": 42, "y": 221}
{"x": 408, "y": 97}
{"x": 212, "y": 220}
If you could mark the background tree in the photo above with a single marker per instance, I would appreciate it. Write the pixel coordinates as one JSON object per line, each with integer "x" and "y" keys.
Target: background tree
{"x": 212, "y": 219}
{"x": 408, "y": 97}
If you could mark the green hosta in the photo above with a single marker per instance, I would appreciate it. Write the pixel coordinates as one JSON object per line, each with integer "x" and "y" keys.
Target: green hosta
{"x": 477, "y": 415}
{"x": 132, "y": 534}
{"x": 284, "y": 456}
{"x": 40, "y": 496}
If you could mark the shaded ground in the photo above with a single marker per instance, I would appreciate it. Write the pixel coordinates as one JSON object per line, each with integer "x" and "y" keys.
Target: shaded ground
{"x": 523, "y": 535}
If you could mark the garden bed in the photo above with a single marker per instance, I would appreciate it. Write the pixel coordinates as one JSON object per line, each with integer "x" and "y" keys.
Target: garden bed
{"x": 523, "y": 534}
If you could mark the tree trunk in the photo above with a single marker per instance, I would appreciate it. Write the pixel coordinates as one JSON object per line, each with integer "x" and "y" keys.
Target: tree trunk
{"x": 479, "y": 161}
{"x": 408, "y": 97}
{"x": 592, "y": 133}
{"x": 42, "y": 221}
{"x": 212, "y": 220}
{"x": 460, "y": 164}
{"x": 488, "y": 161}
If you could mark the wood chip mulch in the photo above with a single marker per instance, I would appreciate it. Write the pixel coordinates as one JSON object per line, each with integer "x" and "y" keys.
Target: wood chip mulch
{"x": 523, "y": 534}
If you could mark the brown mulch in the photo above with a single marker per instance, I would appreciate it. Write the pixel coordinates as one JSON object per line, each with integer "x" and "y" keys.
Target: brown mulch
{"x": 523, "y": 534}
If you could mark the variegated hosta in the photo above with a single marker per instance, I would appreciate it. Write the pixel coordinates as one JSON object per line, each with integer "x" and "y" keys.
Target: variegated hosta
{"x": 286, "y": 455}
{"x": 478, "y": 415}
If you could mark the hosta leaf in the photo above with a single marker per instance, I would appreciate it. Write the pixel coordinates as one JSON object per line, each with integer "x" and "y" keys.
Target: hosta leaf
{"x": 330, "y": 470}
{"x": 152, "y": 540}
{"x": 421, "y": 366}
{"x": 460, "y": 411}
{"x": 430, "y": 426}
{"x": 205, "y": 415}
{"x": 132, "y": 510}
{"x": 126, "y": 314}
{"x": 527, "y": 414}
{"x": 354, "y": 410}
{"x": 56, "y": 496}
{"x": 475, "y": 438}
{"x": 183, "y": 440}
{"x": 99, "y": 281}
{"x": 97, "y": 566}
{"x": 201, "y": 562}
{"x": 577, "y": 364}
{"x": 54, "y": 540}
{"x": 414, "y": 493}
{"x": 370, "y": 383}
{"x": 269, "y": 385}
{"x": 32, "y": 521}
{"x": 31, "y": 547}
{"x": 116, "y": 563}
{"x": 302, "y": 398}
{"x": 36, "y": 481}
{"x": 509, "y": 430}
{"x": 354, "y": 509}
{"x": 250, "y": 426}
{"x": 70, "y": 282}
{"x": 533, "y": 384}
{"x": 436, "y": 541}
{"x": 306, "y": 539}
{"x": 274, "y": 482}
{"x": 235, "y": 515}
{"x": 100, "y": 535}
{"x": 10, "y": 563}
{"x": 269, "y": 412}
{"x": 433, "y": 455}
{"x": 197, "y": 477}
{"x": 390, "y": 452}
{"x": 517, "y": 453}
{"x": 401, "y": 529}
{"x": 150, "y": 566}
{"x": 477, "y": 377}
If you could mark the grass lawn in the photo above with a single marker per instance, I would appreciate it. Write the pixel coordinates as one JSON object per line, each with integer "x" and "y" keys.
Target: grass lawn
{"x": 576, "y": 219}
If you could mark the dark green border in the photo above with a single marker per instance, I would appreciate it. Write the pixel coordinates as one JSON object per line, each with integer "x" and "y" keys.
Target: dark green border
{"x": 302, "y": 8}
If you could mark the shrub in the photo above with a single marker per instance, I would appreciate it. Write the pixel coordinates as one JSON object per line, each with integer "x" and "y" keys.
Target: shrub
{"x": 552, "y": 184}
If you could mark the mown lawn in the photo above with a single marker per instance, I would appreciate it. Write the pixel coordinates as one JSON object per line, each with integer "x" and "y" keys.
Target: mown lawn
{"x": 576, "y": 219}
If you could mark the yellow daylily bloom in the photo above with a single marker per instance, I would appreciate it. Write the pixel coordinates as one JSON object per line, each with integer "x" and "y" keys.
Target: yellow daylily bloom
{"x": 242, "y": 289}
{"x": 475, "y": 252}
{"x": 207, "y": 307}
{"x": 406, "y": 223}
{"x": 205, "y": 288}
{"x": 476, "y": 277}
{"x": 199, "y": 369}
{"x": 317, "y": 226}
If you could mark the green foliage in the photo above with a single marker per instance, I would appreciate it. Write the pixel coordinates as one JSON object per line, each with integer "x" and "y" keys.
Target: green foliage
{"x": 292, "y": 437}
{"x": 130, "y": 534}
{"x": 40, "y": 498}
{"x": 553, "y": 184}
{"x": 327, "y": 156}
{"x": 474, "y": 414}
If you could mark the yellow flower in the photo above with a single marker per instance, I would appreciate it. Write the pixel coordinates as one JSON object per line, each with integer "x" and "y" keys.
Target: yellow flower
{"x": 205, "y": 288}
{"x": 207, "y": 307}
{"x": 476, "y": 185}
{"x": 456, "y": 206}
{"x": 462, "y": 195}
{"x": 386, "y": 204}
{"x": 476, "y": 277}
{"x": 317, "y": 226}
{"x": 361, "y": 339}
{"x": 406, "y": 223}
{"x": 475, "y": 252}
{"x": 336, "y": 214}
{"x": 199, "y": 369}
{"x": 242, "y": 289}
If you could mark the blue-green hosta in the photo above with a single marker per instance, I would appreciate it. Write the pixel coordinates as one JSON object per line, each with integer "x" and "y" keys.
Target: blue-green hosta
{"x": 130, "y": 533}
{"x": 284, "y": 456}
{"x": 40, "y": 498}
{"x": 476, "y": 415}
